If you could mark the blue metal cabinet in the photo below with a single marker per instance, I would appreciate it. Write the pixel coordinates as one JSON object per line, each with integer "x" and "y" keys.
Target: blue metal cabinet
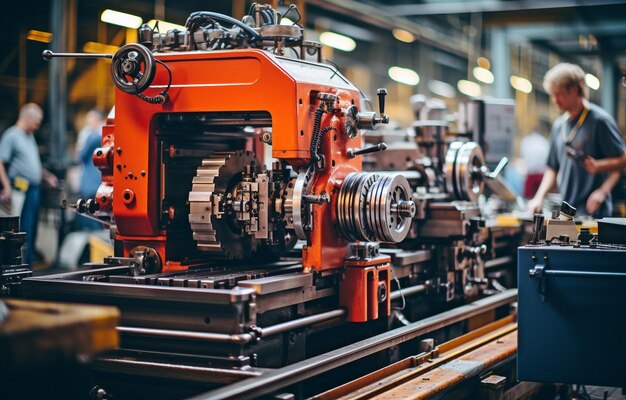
{"x": 572, "y": 315}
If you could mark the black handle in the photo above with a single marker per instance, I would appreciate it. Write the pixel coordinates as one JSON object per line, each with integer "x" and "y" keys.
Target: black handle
{"x": 379, "y": 147}
{"x": 382, "y": 92}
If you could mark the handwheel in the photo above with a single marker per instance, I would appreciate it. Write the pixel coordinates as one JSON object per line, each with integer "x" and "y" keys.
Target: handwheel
{"x": 133, "y": 68}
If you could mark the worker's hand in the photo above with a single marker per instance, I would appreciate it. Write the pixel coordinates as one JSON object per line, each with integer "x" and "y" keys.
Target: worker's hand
{"x": 591, "y": 165}
{"x": 595, "y": 200}
{"x": 534, "y": 205}
{"x": 5, "y": 194}
{"x": 50, "y": 179}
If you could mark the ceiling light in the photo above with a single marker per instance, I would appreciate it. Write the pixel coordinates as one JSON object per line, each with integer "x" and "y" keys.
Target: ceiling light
{"x": 441, "y": 88}
{"x": 469, "y": 88}
{"x": 165, "y": 26}
{"x": 483, "y": 75}
{"x": 39, "y": 36}
{"x": 121, "y": 19}
{"x": 404, "y": 75}
{"x": 403, "y": 36}
{"x": 101, "y": 48}
{"x": 592, "y": 81}
{"x": 484, "y": 62}
{"x": 521, "y": 84}
{"x": 337, "y": 41}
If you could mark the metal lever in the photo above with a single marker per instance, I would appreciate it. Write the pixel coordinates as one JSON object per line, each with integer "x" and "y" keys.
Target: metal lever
{"x": 48, "y": 55}
{"x": 382, "y": 92}
{"x": 503, "y": 162}
{"x": 379, "y": 147}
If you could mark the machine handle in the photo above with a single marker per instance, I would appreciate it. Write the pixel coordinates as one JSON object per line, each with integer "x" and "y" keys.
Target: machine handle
{"x": 379, "y": 147}
{"x": 503, "y": 162}
{"x": 49, "y": 55}
{"x": 585, "y": 274}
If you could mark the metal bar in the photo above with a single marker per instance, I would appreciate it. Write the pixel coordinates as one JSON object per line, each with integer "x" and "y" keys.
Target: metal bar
{"x": 408, "y": 291}
{"x": 48, "y": 55}
{"x": 498, "y": 262}
{"x": 589, "y": 274}
{"x": 301, "y": 322}
{"x": 191, "y": 335}
{"x": 300, "y": 371}
{"x": 169, "y": 370}
{"x": 239, "y": 338}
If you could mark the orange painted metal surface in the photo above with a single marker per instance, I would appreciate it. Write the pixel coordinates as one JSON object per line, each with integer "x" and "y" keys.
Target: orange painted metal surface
{"x": 225, "y": 81}
{"x": 359, "y": 289}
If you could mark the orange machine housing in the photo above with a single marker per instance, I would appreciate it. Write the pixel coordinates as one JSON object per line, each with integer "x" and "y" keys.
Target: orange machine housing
{"x": 228, "y": 81}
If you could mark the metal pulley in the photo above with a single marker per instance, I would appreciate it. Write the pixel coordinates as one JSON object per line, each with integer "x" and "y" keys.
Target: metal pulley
{"x": 375, "y": 207}
{"x": 464, "y": 170}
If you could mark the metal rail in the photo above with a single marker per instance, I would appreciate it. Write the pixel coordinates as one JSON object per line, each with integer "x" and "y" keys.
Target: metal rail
{"x": 241, "y": 338}
{"x": 406, "y": 292}
{"x": 300, "y": 371}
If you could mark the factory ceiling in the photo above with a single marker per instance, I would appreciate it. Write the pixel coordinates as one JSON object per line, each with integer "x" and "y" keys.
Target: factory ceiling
{"x": 579, "y": 30}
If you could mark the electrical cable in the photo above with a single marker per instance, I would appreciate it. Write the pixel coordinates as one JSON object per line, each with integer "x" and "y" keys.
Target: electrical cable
{"x": 161, "y": 97}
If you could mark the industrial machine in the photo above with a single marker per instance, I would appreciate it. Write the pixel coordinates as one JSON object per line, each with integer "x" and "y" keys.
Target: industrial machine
{"x": 571, "y": 299}
{"x": 247, "y": 235}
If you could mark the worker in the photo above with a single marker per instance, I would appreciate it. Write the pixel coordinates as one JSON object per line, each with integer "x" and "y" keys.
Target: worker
{"x": 583, "y": 131}
{"x": 90, "y": 138}
{"x": 18, "y": 149}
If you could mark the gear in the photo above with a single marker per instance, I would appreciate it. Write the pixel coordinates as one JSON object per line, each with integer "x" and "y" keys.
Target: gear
{"x": 214, "y": 228}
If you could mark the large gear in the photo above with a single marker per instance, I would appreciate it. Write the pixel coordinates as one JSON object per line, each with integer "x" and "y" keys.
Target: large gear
{"x": 215, "y": 230}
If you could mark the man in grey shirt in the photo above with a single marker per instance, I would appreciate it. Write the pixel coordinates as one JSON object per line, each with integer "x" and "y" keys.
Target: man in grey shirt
{"x": 19, "y": 151}
{"x": 583, "y": 132}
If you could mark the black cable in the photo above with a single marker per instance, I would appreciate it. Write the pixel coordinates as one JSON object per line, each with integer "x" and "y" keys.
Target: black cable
{"x": 293, "y": 7}
{"x": 315, "y": 138}
{"x": 161, "y": 97}
{"x": 224, "y": 18}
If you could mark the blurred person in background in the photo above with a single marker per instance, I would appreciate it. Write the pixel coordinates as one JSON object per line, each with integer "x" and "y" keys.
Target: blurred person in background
{"x": 18, "y": 150}
{"x": 584, "y": 130}
{"x": 89, "y": 139}
{"x": 534, "y": 149}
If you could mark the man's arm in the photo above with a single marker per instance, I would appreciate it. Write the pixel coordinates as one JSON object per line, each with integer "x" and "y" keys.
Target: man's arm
{"x": 5, "y": 194}
{"x": 594, "y": 166}
{"x": 547, "y": 183}
{"x": 597, "y": 197}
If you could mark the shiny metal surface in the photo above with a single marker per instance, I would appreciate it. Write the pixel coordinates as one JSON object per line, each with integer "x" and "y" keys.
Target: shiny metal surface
{"x": 375, "y": 207}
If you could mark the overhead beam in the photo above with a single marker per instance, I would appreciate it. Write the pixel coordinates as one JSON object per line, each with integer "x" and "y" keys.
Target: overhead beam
{"x": 463, "y": 7}
{"x": 379, "y": 17}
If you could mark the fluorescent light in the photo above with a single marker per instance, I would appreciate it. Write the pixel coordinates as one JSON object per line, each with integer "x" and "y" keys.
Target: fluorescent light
{"x": 39, "y": 36}
{"x": 165, "y": 26}
{"x": 521, "y": 84}
{"x": 441, "y": 88}
{"x": 403, "y": 36}
{"x": 286, "y": 21}
{"x": 121, "y": 19}
{"x": 483, "y": 75}
{"x": 469, "y": 88}
{"x": 337, "y": 41}
{"x": 592, "y": 81}
{"x": 95, "y": 47}
{"x": 404, "y": 75}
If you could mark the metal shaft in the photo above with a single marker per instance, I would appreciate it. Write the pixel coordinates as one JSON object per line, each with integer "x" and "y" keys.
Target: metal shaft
{"x": 49, "y": 55}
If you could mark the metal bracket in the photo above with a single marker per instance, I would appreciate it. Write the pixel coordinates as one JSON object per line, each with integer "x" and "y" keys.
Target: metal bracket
{"x": 538, "y": 273}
